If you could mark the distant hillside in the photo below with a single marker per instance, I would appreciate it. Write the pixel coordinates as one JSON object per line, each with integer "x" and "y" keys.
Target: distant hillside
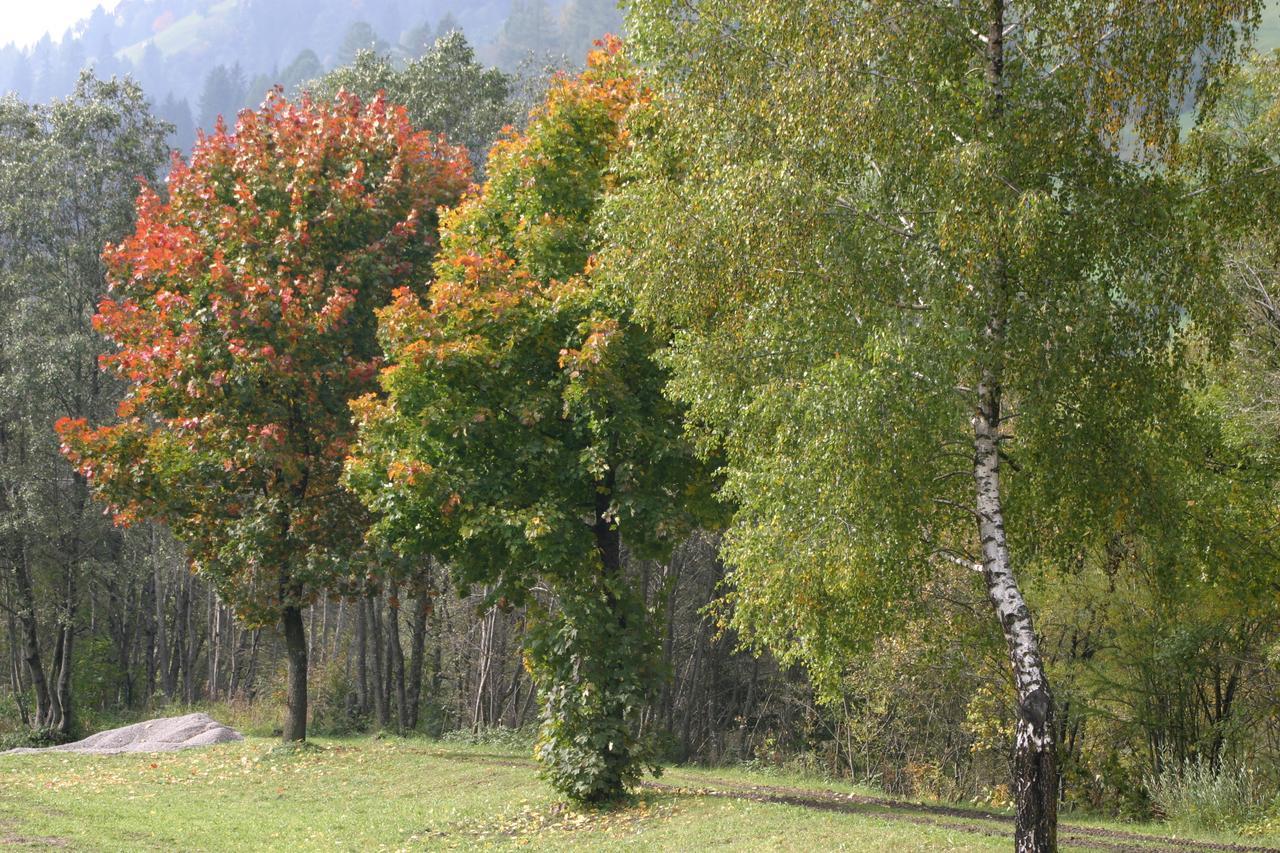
{"x": 201, "y": 58}
{"x": 1268, "y": 38}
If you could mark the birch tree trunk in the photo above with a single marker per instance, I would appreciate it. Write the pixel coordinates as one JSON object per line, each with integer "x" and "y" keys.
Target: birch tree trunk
{"x": 1035, "y": 772}
{"x": 1035, "y": 769}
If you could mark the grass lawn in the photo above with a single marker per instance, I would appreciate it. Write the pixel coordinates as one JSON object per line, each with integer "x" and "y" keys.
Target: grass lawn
{"x": 368, "y": 794}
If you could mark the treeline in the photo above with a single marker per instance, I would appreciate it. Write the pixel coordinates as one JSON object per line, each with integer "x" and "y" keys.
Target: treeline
{"x": 683, "y": 430}
{"x": 198, "y": 60}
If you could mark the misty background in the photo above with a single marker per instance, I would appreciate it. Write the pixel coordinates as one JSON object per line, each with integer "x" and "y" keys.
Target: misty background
{"x": 198, "y": 59}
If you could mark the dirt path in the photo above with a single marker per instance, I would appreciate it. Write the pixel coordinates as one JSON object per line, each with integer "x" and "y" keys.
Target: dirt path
{"x": 974, "y": 822}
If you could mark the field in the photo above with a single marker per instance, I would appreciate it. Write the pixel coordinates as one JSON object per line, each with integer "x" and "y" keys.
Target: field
{"x": 371, "y": 794}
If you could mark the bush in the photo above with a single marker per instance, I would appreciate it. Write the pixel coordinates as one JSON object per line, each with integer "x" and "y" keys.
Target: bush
{"x": 335, "y": 710}
{"x": 1196, "y": 794}
{"x": 37, "y": 738}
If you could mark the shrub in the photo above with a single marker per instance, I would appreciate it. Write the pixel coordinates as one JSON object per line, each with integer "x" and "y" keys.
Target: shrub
{"x": 335, "y": 709}
{"x": 37, "y": 738}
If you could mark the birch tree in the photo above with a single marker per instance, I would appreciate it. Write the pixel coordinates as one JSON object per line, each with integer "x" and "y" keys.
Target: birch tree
{"x": 930, "y": 275}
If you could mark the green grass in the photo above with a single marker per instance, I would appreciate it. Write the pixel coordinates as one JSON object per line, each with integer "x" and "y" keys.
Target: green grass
{"x": 369, "y": 794}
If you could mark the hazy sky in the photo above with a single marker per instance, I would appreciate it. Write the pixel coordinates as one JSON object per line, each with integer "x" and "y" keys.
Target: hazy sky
{"x": 25, "y": 21}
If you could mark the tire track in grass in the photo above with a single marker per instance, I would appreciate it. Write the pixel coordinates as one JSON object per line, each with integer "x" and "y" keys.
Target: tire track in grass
{"x": 1090, "y": 837}
{"x": 970, "y": 821}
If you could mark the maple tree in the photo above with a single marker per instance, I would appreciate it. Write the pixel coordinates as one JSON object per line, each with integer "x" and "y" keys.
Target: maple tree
{"x": 242, "y": 308}
{"x": 524, "y": 436}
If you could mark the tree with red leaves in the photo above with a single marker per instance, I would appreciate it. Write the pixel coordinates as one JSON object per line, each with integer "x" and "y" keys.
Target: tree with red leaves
{"x": 242, "y": 309}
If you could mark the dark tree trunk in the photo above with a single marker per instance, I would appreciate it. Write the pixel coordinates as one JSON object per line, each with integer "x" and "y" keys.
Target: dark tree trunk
{"x": 362, "y": 642}
{"x": 166, "y": 675}
{"x": 250, "y": 689}
{"x": 396, "y": 662}
{"x": 149, "y": 637}
{"x": 417, "y": 643}
{"x": 373, "y": 605}
{"x": 31, "y": 642}
{"x": 295, "y": 641}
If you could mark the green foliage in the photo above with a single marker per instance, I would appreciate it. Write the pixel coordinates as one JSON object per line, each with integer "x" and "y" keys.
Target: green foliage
{"x": 524, "y": 436}
{"x": 595, "y": 691}
{"x": 68, "y": 179}
{"x": 33, "y": 738}
{"x": 97, "y": 674}
{"x": 335, "y": 710}
{"x": 445, "y": 90}
{"x": 819, "y": 210}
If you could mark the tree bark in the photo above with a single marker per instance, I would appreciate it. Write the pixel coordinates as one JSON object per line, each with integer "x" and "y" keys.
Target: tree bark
{"x": 30, "y": 640}
{"x": 65, "y": 715}
{"x": 295, "y": 640}
{"x": 396, "y": 664}
{"x": 373, "y": 605}
{"x": 417, "y": 644}
{"x": 1035, "y": 773}
{"x": 1035, "y": 769}
{"x": 362, "y": 672}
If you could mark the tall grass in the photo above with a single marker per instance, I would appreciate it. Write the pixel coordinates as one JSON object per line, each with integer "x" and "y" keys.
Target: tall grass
{"x": 1195, "y": 794}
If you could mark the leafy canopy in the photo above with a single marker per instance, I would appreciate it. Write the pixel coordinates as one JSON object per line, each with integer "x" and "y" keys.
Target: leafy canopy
{"x": 517, "y": 387}
{"x": 524, "y": 432}
{"x": 242, "y": 311}
{"x": 817, "y": 209}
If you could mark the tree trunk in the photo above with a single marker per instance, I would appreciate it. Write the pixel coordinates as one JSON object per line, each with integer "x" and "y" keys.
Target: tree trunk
{"x": 417, "y": 644}
{"x": 15, "y": 666}
{"x": 62, "y": 692}
{"x": 373, "y": 605}
{"x": 251, "y": 674}
{"x": 1035, "y": 772}
{"x": 214, "y": 621}
{"x": 486, "y": 633}
{"x": 396, "y": 663}
{"x": 362, "y": 642}
{"x": 62, "y": 713}
{"x": 30, "y": 640}
{"x": 1035, "y": 780}
{"x": 295, "y": 640}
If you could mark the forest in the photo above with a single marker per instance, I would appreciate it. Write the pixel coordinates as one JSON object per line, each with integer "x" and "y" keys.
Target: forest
{"x": 885, "y": 394}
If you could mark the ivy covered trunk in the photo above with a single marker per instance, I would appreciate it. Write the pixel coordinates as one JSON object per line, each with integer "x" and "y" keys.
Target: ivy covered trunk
{"x": 595, "y": 664}
{"x": 295, "y": 641}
